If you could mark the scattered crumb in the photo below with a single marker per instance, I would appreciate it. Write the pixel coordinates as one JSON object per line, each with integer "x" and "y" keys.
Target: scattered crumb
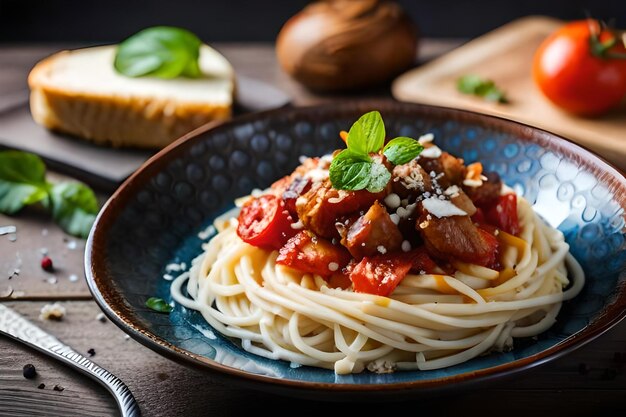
{"x": 73, "y": 278}
{"x": 58, "y": 388}
{"x": 126, "y": 337}
{"x": 43, "y": 251}
{"x": 91, "y": 352}
{"x": 101, "y": 317}
{"x": 71, "y": 245}
{"x": 54, "y": 311}
{"x": 41, "y": 386}
{"x": 52, "y": 280}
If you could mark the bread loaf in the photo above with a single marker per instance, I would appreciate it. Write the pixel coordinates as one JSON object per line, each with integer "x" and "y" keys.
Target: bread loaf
{"x": 79, "y": 92}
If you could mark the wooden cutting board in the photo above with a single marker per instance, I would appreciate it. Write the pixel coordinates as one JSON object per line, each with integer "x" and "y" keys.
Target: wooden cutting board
{"x": 505, "y": 56}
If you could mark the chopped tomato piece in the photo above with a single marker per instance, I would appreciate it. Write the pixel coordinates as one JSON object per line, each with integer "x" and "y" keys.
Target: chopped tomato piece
{"x": 421, "y": 261}
{"x": 312, "y": 254}
{"x": 380, "y": 275}
{"x": 265, "y": 223}
{"x": 479, "y": 216}
{"x": 504, "y": 214}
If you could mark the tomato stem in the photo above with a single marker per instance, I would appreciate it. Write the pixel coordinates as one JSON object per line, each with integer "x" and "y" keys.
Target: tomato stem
{"x": 602, "y": 49}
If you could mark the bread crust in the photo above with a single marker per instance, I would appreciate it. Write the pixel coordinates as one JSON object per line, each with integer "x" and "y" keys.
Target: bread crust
{"x": 114, "y": 120}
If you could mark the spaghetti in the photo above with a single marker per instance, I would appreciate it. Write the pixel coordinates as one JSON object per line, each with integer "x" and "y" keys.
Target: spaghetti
{"x": 458, "y": 284}
{"x": 430, "y": 321}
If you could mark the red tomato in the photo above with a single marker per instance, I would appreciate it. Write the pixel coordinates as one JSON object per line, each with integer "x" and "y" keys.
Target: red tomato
{"x": 421, "y": 261}
{"x": 578, "y": 74}
{"x": 380, "y": 275}
{"x": 504, "y": 214}
{"x": 264, "y": 222}
{"x": 312, "y": 254}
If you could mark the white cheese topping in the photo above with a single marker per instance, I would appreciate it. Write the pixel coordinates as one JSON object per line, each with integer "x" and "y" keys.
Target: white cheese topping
{"x": 317, "y": 174}
{"x": 452, "y": 190}
{"x": 392, "y": 201}
{"x": 442, "y": 208}
{"x": 431, "y": 152}
{"x": 333, "y": 266}
{"x": 427, "y": 138}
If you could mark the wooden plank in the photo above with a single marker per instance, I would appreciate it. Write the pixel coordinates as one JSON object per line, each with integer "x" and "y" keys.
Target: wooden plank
{"x": 505, "y": 56}
{"x": 21, "y": 275}
{"x": 165, "y": 388}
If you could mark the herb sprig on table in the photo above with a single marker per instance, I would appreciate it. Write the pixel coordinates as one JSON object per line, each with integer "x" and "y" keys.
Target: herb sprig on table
{"x": 487, "y": 89}
{"x": 73, "y": 205}
{"x": 355, "y": 169}
{"x": 160, "y": 51}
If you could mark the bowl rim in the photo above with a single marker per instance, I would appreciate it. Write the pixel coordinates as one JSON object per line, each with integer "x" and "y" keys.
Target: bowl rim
{"x": 96, "y": 276}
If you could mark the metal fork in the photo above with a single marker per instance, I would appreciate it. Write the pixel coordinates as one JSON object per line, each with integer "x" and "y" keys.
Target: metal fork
{"x": 17, "y": 327}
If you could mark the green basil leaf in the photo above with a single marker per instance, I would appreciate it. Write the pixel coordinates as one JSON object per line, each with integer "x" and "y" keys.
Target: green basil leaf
{"x": 402, "y": 150}
{"x": 22, "y": 180}
{"x": 367, "y": 134}
{"x": 487, "y": 89}
{"x": 161, "y": 51}
{"x": 350, "y": 170}
{"x": 159, "y": 304}
{"x": 468, "y": 84}
{"x": 379, "y": 178}
{"x": 74, "y": 207}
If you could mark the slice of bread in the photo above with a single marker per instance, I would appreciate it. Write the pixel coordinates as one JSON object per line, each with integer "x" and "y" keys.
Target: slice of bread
{"x": 79, "y": 92}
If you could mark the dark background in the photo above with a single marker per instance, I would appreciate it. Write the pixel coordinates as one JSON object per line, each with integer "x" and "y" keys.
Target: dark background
{"x": 241, "y": 20}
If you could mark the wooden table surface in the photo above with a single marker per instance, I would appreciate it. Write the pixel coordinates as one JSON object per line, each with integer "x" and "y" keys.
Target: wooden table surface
{"x": 589, "y": 381}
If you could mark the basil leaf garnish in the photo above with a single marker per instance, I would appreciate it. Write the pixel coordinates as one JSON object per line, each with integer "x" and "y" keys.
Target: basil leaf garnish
{"x": 402, "y": 150}
{"x": 350, "y": 170}
{"x": 159, "y": 305}
{"x": 379, "y": 177}
{"x": 354, "y": 168}
{"x": 161, "y": 51}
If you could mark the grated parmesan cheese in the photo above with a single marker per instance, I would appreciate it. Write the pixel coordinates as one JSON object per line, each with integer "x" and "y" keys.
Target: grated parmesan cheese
{"x": 392, "y": 200}
{"x": 432, "y": 152}
{"x": 426, "y": 138}
{"x": 317, "y": 174}
{"x": 442, "y": 208}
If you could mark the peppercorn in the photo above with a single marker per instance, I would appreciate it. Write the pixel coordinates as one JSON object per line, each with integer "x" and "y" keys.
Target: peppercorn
{"x": 29, "y": 371}
{"x": 46, "y": 264}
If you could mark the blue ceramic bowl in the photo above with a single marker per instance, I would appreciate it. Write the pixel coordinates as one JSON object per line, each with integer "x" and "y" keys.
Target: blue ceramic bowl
{"x": 154, "y": 219}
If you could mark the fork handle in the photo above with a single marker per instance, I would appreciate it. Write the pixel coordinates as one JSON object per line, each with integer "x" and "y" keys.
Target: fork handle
{"x": 17, "y": 327}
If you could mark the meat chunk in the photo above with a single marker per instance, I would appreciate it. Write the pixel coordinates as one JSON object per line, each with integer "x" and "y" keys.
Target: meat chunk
{"x": 457, "y": 238}
{"x": 451, "y": 167}
{"x": 297, "y": 186}
{"x": 311, "y": 254}
{"x": 462, "y": 201}
{"x": 410, "y": 180}
{"x": 374, "y": 233}
{"x": 319, "y": 208}
{"x": 488, "y": 193}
